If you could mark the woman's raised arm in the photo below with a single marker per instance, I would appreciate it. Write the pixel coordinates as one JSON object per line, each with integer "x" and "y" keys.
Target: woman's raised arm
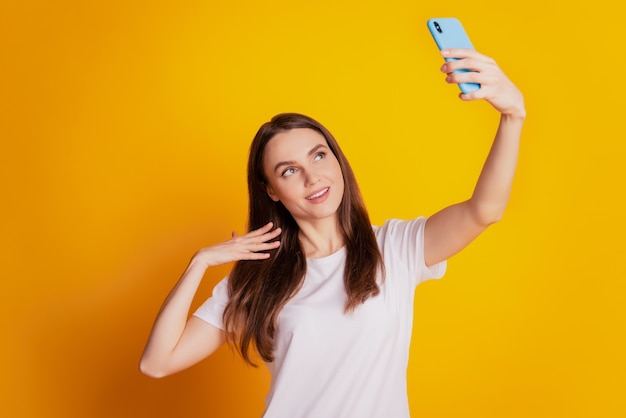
{"x": 177, "y": 342}
{"x": 453, "y": 228}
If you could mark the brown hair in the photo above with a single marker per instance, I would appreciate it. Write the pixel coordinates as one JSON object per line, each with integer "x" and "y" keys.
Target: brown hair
{"x": 258, "y": 289}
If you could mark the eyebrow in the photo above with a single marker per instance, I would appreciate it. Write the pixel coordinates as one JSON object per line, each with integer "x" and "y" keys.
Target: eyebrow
{"x": 311, "y": 152}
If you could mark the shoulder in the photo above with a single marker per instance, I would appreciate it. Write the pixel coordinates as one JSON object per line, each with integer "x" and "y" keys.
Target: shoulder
{"x": 402, "y": 245}
{"x": 399, "y": 227}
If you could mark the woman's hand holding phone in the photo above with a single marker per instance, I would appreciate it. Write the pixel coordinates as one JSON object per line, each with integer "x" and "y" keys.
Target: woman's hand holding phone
{"x": 495, "y": 86}
{"x": 477, "y": 75}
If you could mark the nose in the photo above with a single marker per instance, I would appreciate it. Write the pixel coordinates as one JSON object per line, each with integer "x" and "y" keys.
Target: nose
{"x": 311, "y": 177}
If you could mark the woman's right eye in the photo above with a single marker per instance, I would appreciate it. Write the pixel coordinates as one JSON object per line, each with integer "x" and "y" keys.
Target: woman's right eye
{"x": 288, "y": 172}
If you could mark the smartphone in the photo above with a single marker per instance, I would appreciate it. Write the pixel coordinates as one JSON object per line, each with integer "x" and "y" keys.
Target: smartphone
{"x": 449, "y": 33}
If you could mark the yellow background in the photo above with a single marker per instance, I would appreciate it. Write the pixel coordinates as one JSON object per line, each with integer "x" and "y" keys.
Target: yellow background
{"x": 125, "y": 128}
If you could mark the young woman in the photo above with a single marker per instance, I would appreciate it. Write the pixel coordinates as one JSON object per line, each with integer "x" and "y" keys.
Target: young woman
{"x": 324, "y": 298}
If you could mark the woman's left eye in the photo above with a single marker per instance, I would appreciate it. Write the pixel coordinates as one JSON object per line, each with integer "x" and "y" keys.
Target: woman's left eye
{"x": 319, "y": 156}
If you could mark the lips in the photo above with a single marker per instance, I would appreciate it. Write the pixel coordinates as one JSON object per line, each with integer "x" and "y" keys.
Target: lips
{"x": 318, "y": 194}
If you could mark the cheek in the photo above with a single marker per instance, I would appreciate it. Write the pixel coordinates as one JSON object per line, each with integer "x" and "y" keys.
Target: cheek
{"x": 339, "y": 173}
{"x": 340, "y": 181}
{"x": 286, "y": 189}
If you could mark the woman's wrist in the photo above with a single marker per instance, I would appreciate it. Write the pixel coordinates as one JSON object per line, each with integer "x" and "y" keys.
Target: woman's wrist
{"x": 518, "y": 115}
{"x": 201, "y": 260}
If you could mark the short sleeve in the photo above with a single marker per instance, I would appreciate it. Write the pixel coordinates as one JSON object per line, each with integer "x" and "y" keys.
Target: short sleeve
{"x": 402, "y": 242}
{"x": 212, "y": 310}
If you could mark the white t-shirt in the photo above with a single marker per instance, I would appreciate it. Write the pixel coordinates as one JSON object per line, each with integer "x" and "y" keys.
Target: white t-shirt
{"x": 329, "y": 364}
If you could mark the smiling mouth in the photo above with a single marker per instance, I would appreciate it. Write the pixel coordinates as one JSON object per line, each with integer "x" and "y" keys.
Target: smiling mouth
{"x": 318, "y": 194}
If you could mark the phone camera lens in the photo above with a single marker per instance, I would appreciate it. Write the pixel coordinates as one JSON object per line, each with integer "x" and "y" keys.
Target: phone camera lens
{"x": 438, "y": 27}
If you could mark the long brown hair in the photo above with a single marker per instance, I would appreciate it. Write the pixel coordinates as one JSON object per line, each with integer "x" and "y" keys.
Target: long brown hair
{"x": 259, "y": 289}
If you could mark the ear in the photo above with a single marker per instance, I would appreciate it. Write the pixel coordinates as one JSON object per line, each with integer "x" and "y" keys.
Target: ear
{"x": 270, "y": 192}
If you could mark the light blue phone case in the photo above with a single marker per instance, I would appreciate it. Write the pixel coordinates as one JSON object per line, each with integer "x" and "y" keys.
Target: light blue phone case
{"x": 449, "y": 33}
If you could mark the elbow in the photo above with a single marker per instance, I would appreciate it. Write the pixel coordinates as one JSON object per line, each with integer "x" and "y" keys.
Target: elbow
{"x": 492, "y": 218}
{"x": 489, "y": 219}
{"x": 150, "y": 370}
{"x": 486, "y": 215}
{"x": 152, "y": 373}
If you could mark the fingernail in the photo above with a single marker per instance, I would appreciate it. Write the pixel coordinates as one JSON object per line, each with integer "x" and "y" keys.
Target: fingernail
{"x": 445, "y": 52}
{"x": 444, "y": 68}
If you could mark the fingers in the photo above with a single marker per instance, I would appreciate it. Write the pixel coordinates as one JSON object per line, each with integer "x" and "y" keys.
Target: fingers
{"x": 265, "y": 233}
{"x": 468, "y": 77}
{"x": 463, "y": 53}
{"x": 475, "y": 95}
{"x": 260, "y": 231}
{"x": 252, "y": 246}
{"x": 257, "y": 246}
{"x": 259, "y": 252}
{"x": 477, "y": 64}
{"x": 265, "y": 246}
{"x": 469, "y": 66}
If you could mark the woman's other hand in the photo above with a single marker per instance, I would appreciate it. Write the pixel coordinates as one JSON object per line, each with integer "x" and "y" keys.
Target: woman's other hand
{"x": 251, "y": 246}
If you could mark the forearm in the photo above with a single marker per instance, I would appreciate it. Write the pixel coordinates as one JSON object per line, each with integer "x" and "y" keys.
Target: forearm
{"x": 494, "y": 184}
{"x": 453, "y": 228}
{"x": 177, "y": 342}
{"x": 172, "y": 317}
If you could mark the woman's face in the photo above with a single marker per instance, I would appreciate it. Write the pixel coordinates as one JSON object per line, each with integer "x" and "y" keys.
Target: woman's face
{"x": 304, "y": 174}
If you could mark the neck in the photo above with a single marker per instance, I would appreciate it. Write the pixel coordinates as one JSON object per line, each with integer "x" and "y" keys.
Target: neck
{"x": 321, "y": 238}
